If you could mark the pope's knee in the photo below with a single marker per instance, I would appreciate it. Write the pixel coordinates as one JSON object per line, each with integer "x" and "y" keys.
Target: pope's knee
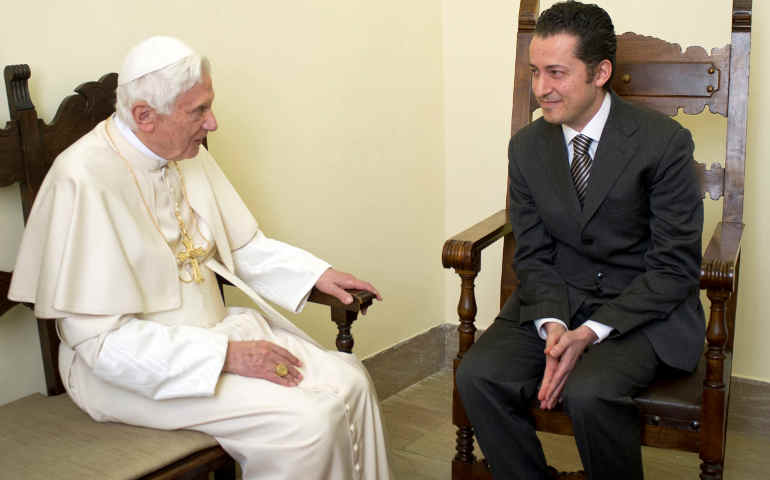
{"x": 321, "y": 421}
{"x": 359, "y": 380}
{"x": 355, "y": 380}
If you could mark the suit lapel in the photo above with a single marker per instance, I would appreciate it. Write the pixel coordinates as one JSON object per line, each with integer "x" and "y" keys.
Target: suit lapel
{"x": 554, "y": 158}
{"x": 616, "y": 148}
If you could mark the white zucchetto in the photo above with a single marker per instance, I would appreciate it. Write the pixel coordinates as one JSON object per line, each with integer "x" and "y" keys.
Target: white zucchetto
{"x": 152, "y": 54}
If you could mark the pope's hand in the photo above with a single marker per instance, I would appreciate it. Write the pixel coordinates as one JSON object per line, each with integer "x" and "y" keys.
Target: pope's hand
{"x": 335, "y": 283}
{"x": 261, "y": 359}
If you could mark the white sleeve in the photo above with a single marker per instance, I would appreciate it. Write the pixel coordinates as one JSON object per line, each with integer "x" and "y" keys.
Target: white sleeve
{"x": 601, "y": 330}
{"x": 154, "y": 360}
{"x": 279, "y": 272}
{"x": 540, "y": 326}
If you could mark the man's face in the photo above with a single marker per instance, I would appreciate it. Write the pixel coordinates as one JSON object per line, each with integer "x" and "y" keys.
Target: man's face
{"x": 561, "y": 82}
{"x": 179, "y": 134}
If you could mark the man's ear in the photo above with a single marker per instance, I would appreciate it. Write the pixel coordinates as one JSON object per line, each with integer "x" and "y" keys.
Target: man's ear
{"x": 602, "y": 73}
{"x": 144, "y": 117}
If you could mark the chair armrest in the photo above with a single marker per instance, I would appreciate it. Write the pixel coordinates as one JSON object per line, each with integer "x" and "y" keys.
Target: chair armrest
{"x": 463, "y": 251}
{"x": 5, "y": 284}
{"x": 721, "y": 257}
{"x": 343, "y": 315}
{"x": 361, "y": 299}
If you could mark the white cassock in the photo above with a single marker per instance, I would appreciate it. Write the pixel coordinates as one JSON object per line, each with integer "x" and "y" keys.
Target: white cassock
{"x": 140, "y": 346}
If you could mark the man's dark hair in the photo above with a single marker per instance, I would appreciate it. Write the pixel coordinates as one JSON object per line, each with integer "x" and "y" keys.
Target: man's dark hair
{"x": 590, "y": 24}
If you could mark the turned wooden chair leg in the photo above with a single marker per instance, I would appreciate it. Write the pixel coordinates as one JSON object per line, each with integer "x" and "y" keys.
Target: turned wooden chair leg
{"x": 344, "y": 319}
{"x": 714, "y": 390}
{"x": 466, "y": 309}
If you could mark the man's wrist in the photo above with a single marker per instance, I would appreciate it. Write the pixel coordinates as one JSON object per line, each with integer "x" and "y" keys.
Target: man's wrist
{"x": 587, "y": 334}
{"x": 553, "y": 326}
{"x": 542, "y": 323}
{"x": 601, "y": 330}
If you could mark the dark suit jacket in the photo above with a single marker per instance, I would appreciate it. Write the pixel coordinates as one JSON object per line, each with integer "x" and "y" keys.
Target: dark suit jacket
{"x": 632, "y": 256}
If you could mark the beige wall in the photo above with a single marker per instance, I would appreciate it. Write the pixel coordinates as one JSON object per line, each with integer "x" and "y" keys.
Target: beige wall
{"x": 367, "y": 133}
{"x": 478, "y": 53}
{"x": 330, "y": 126}
{"x": 478, "y": 73}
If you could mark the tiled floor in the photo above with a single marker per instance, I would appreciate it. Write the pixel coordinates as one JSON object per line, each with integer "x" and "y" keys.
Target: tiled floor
{"x": 422, "y": 441}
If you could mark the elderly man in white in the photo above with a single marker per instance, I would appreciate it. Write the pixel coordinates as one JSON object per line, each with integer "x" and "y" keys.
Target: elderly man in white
{"x": 122, "y": 246}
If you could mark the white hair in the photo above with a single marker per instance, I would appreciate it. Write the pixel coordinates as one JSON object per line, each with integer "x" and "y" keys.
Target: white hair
{"x": 160, "y": 89}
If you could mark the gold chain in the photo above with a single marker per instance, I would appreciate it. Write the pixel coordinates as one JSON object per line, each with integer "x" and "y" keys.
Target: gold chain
{"x": 190, "y": 254}
{"x": 187, "y": 201}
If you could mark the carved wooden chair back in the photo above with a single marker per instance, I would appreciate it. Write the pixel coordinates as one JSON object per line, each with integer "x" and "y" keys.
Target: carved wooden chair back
{"x": 687, "y": 413}
{"x": 41, "y": 143}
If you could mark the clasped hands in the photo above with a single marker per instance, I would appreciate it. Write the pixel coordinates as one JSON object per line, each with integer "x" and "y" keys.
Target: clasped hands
{"x": 562, "y": 349}
{"x": 259, "y": 358}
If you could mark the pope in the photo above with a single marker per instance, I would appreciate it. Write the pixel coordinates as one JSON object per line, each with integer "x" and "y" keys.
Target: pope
{"x": 122, "y": 247}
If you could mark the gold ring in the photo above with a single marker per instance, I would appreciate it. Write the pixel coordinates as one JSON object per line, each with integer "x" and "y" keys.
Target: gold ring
{"x": 281, "y": 370}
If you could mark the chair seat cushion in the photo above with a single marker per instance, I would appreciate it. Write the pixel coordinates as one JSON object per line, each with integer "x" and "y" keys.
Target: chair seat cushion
{"x": 50, "y": 437}
{"x": 676, "y": 399}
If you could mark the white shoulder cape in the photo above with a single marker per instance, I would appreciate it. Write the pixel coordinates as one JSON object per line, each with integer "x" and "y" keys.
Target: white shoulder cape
{"x": 91, "y": 248}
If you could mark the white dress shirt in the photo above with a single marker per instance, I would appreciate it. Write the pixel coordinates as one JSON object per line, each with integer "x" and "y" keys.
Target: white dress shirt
{"x": 592, "y": 130}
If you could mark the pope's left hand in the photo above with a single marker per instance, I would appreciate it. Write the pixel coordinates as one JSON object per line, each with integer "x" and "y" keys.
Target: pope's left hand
{"x": 335, "y": 283}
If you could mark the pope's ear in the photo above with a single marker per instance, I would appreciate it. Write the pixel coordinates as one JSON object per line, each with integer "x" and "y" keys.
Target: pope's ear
{"x": 144, "y": 117}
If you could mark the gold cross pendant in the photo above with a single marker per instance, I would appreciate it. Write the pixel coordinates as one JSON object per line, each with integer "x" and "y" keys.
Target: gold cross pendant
{"x": 191, "y": 255}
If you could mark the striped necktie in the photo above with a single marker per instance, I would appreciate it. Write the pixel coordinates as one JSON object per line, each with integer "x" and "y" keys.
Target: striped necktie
{"x": 581, "y": 165}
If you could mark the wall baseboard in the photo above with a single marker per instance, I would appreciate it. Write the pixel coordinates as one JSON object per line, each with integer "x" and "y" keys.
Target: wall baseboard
{"x": 409, "y": 361}
{"x": 749, "y": 406}
{"x": 413, "y": 359}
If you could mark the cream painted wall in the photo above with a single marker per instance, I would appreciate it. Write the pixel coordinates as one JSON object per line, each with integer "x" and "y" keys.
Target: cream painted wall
{"x": 479, "y": 43}
{"x": 478, "y": 53}
{"x": 331, "y": 127}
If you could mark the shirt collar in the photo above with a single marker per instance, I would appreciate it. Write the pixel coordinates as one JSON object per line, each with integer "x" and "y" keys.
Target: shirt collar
{"x": 594, "y": 127}
{"x": 131, "y": 138}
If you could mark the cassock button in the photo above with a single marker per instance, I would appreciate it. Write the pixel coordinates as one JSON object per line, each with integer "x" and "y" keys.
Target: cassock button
{"x": 599, "y": 275}
{"x": 358, "y": 467}
{"x": 352, "y": 428}
{"x": 355, "y": 447}
{"x": 347, "y": 407}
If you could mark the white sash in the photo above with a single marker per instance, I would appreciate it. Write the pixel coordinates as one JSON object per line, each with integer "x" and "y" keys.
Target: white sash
{"x": 271, "y": 315}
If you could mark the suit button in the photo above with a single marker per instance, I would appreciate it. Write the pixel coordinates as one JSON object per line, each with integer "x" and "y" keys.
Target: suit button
{"x": 599, "y": 275}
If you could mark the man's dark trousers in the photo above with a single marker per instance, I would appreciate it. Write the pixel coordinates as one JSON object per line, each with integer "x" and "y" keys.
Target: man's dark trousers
{"x": 499, "y": 378}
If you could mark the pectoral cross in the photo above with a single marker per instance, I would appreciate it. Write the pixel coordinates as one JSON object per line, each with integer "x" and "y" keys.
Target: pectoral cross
{"x": 190, "y": 255}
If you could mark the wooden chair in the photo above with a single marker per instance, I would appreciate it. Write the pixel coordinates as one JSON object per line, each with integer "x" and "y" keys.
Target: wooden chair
{"x": 686, "y": 413}
{"x": 28, "y": 147}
